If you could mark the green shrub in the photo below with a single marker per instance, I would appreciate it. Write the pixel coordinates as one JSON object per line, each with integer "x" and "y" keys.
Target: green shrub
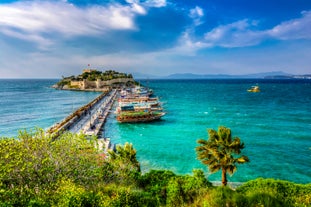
{"x": 156, "y": 182}
{"x": 264, "y": 199}
{"x": 172, "y": 190}
{"x": 121, "y": 166}
{"x": 224, "y": 197}
{"x": 284, "y": 192}
{"x": 184, "y": 190}
{"x": 120, "y": 196}
{"x": 68, "y": 194}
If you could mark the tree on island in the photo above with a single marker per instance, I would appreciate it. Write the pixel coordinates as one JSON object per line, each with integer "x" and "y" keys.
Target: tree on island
{"x": 221, "y": 151}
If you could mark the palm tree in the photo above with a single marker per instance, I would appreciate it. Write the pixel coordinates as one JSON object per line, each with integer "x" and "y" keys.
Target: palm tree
{"x": 221, "y": 151}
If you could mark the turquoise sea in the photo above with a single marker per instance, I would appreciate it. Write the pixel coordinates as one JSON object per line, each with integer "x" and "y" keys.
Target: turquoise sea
{"x": 274, "y": 124}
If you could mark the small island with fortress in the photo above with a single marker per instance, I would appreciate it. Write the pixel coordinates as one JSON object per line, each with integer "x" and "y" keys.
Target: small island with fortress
{"x": 95, "y": 80}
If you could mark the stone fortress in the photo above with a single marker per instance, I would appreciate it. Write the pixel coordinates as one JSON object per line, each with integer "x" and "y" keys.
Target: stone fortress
{"x": 97, "y": 85}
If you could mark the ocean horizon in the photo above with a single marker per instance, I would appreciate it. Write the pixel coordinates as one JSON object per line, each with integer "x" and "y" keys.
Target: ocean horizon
{"x": 275, "y": 124}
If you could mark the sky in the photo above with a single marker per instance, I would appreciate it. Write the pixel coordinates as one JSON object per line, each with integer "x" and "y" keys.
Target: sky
{"x": 55, "y": 38}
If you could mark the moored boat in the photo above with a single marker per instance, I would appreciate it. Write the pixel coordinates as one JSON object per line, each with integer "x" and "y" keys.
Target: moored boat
{"x": 140, "y": 116}
{"x": 136, "y": 105}
{"x": 254, "y": 89}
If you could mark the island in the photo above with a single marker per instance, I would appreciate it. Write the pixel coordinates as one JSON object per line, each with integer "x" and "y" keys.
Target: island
{"x": 95, "y": 80}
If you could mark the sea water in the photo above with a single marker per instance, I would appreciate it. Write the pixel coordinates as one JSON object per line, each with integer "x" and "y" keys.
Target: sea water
{"x": 28, "y": 104}
{"x": 275, "y": 124}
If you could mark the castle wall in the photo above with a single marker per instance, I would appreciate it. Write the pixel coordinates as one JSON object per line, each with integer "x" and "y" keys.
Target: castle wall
{"x": 85, "y": 84}
{"x": 78, "y": 84}
{"x": 89, "y": 84}
{"x": 110, "y": 82}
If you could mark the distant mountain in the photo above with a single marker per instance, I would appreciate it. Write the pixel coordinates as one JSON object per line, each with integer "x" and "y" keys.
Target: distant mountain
{"x": 195, "y": 76}
{"x": 224, "y": 76}
{"x": 264, "y": 75}
{"x": 267, "y": 75}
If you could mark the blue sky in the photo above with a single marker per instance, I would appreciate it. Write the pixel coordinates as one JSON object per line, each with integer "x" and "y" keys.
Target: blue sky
{"x": 48, "y": 39}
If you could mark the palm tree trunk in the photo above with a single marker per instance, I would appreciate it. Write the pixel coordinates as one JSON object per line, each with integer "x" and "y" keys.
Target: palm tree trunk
{"x": 224, "y": 177}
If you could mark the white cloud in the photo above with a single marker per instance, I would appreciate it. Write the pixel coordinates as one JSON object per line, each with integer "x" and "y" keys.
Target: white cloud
{"x": 155, "y": 3}
{"x": 294, "y": 29}
{"x": 196, "y": 14}
{"x": 188, "y": 46}
{"x": 149, "y": 3}
{"x": 33, "y": 20}
{"x": 244, "y": 32}
{"x": 139, "y": 9}
{"x": 43, "y": 42}
{"x": 237, "y": 34}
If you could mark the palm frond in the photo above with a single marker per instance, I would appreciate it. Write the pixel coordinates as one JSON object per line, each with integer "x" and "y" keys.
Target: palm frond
{"x": 231, "y": 169}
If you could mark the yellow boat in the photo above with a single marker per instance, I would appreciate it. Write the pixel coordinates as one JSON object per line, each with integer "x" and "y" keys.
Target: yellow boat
{"x": 254, "y": 89}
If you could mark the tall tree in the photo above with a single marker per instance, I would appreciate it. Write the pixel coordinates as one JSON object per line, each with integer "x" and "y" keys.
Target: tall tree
{"x": 221, "y": 151}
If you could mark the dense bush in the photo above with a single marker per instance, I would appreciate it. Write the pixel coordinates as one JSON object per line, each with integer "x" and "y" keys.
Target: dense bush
{"x": 174, "y": 190}
{"x": 223, "y": 197}
{"x": 277, "y": 192}
{"x": 32, "y": 165}
{"x": 184, "y": 190}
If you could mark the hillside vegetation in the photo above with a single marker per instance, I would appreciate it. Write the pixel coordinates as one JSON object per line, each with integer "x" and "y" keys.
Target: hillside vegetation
{"x": 70, "y": 171}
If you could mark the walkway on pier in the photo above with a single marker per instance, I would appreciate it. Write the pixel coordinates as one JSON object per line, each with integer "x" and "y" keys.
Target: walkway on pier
{"x": 93, "y": 120}
{"x": 89, "y": 120}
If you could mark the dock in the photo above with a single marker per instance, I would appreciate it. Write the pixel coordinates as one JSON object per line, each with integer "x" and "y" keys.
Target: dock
{"x": 89, "y": 119}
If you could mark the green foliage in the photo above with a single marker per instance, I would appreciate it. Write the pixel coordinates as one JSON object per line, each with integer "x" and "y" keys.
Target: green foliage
{"x": 221, "y": 151}
{"x": 277, "y": 191}
{"x": 68, "y": 194}
{"x": 156, "y": 182}
{"x": 184, "y": 190}
{"x": 173, "y": 190}
{"x": 119, "y": 196}
{"x": 106, "y": 75}
{"x": 224, "y": 197}
{"x": 265, "y": 199}
{"x": 64, "y": 82}
{"x": 122, "y": 165}
{"x": 36, "y": 170}
{"x": 33, "y": 164}
{"x": 93, "y": 76}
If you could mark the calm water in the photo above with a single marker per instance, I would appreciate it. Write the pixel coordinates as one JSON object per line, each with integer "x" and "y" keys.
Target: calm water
{"x": 275, "y": 124}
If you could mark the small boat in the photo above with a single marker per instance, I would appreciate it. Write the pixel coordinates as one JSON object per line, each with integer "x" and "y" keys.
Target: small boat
{"x": 254, "y": 89}
{"x": 141, "y": 116}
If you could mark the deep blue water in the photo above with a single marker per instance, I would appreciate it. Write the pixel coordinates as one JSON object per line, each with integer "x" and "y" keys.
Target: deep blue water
{"x": 274, "y": 124}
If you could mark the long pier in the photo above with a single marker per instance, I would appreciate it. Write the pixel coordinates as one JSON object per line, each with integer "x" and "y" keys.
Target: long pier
{"x": 94, "y": 117}
{"x": 88, "y": 119}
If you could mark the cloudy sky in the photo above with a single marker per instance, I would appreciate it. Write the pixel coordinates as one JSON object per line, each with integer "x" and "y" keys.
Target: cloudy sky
{"x": 48, "y": 39}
